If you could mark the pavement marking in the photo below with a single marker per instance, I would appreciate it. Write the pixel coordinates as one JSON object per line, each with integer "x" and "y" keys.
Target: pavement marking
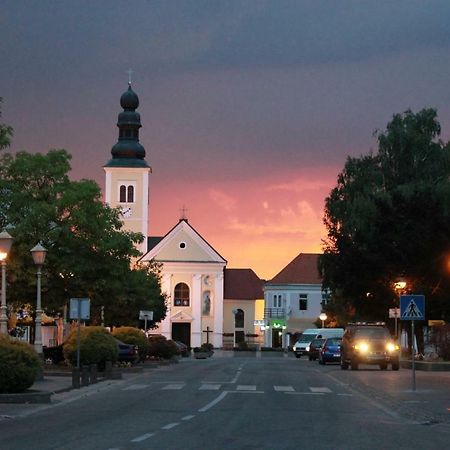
{"x": 245, "y": 387}
{"x": 210, "y": 387}
{"x": 305, "y": 393}
{"x": 173, "y": 387}
{"x": 324, "y": 390}
{"x": 346, "y": 395}
{"x": 135, "y": 387}
{"x": 284, "y": 388}
{"x": 170, "y": 426}
{"x": 187, "y": 417}
{"x": 143, "y": 437}
{"x": 214, "y": 402}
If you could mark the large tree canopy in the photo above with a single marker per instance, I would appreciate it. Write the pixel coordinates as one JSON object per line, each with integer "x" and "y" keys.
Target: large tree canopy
{"x": 89, "y": 255}
{"x": 389, "y": 218}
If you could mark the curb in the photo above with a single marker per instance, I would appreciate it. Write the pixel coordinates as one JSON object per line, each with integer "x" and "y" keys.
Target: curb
{"x": 426, "y": 366}
{"x": 27, "y": 397}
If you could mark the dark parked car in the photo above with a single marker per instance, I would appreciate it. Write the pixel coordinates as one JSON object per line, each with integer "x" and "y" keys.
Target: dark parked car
{"x": 369, "y": 343}
{"x": 127, "y": 352}
{"x": 330, "y": 351}
{"x": 313, "y": 348}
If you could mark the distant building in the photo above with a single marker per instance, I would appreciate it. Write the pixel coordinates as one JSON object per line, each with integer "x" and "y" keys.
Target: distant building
{"x": 293, "y": 300}
{"x": 243, "y": 308}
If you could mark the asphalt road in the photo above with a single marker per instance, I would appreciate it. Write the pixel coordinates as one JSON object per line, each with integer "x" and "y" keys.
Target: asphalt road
{"x": 240, "y": 403}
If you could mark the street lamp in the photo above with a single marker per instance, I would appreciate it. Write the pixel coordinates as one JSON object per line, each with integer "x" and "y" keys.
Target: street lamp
{"x": 5, "y": 246}
{"x": 400, "y": 287}
{"x": 38, "y": 252}
{"x": 323, "y": 317}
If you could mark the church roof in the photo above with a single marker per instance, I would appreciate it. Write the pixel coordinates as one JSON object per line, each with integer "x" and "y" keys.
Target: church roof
{"x": 242, "y": 284}
{"x": 128, "y": 152}
{"x": 301, "y": 270}
{"x": 169, "y": 248}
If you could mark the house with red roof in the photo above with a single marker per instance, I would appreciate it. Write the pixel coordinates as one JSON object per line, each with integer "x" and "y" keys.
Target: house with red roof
{"x": 293, "y": 300}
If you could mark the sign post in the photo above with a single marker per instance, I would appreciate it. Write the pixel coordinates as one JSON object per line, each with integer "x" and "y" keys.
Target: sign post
{"x": 412, "y": 307}
{"x": 145, "y": 315}
{"x": 79, "y": 310}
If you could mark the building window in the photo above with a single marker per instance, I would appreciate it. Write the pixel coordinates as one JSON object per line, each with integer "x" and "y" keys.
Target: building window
{"x": 277, "y": 303}
{"x": 126, "y": 193}
{"x": 239, "y": 319}
{"x": 303, "y": 302}
{"x": 181, "y": 295}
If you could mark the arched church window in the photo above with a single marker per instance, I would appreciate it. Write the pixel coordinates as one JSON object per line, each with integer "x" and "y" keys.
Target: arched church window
{"x": 181, "y": 295}
{"x": 239, "y": 319}
{"x": 206, "y": 306}
{"x": 123, "y": 194}
{"x": 130, "y": 194}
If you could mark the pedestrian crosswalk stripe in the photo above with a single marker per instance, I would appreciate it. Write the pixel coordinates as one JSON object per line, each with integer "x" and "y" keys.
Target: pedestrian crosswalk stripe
{"x": 173, "y": 387}
{"x": 246, "y": 387}
{"x": 135, "y": 387}
{"x": 284, "y": 388}
{"x": 323, "y": 390}
{"x": 210, "y": 387}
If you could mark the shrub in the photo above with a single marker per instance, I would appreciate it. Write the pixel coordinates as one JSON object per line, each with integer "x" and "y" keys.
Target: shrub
{"x": 19, "y": 365}
{"x": 135, "y": 336}
{"x": 160, "y": 347}
{"x": 97, "y": 346}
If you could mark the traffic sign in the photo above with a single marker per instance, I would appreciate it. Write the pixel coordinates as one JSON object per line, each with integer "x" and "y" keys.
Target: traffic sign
{"x": 412, "y": 307}
{"x": 79, "y": 308}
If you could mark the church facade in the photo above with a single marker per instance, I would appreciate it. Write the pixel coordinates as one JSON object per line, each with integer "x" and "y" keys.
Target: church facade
{"x": 193, "y": 273}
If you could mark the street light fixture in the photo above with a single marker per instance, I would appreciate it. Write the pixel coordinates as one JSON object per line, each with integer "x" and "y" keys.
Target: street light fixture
{"x": 38, "y": 252}
{"x": 5, "y": 246}
{"x": 400, "y": 287}
{"x": 323, "y": 317}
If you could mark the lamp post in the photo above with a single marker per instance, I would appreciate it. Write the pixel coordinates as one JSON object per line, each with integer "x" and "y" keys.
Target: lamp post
{"x": 323, "y": 317}
{"x": 5, "y": 246}
{"x": 400, "y": 288}
{"x": 38, "y": 252}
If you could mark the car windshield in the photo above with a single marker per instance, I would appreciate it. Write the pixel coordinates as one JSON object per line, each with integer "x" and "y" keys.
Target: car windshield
{"x": 307, "y": 338}
{"x": 334, "y": 341}
{"x": 373, "y": 333}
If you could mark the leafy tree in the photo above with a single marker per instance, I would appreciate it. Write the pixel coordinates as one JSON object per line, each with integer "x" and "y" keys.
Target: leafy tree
{"x": 6, "y": 132}
{"x": 89, "y": 255}
{"x": 389, "y": 217}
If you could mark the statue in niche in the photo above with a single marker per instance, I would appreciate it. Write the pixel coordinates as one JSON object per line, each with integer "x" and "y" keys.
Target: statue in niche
{"x": 206, "y": 310}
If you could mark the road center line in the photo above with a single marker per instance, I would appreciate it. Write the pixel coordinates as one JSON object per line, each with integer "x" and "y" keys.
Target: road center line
{"x": 187, "y": 417}
{"x": 214, "y": 402}
{"x": 170, "y": 426}
{"x": 143, "y": 437}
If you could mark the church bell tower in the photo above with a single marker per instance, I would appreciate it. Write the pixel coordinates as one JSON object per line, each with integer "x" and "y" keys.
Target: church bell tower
{"x": 127, "y": 172}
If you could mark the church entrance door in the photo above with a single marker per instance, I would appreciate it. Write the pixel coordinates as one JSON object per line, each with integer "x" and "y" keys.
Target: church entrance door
{"x": 181, "y": 331}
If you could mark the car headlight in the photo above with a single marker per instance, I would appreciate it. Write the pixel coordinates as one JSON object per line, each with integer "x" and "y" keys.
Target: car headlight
{"x": 307, "y": 348}
{"x": 391, "y": 347}
{"x": 363, "y": 347}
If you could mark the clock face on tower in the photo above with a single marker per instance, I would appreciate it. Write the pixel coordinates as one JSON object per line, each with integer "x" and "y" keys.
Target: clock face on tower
{"x": 126, "y": 211}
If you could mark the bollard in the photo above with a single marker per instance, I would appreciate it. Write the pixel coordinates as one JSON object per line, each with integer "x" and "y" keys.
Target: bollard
{"x": 108, "y": 370}
{"x": 85, "y": 375}
{"x": 93, "y": 374}
{"x": 75, "y": 378}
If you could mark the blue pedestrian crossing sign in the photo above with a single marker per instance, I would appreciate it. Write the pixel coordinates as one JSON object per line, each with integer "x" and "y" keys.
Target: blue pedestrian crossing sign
{"x": 412, "y": 307}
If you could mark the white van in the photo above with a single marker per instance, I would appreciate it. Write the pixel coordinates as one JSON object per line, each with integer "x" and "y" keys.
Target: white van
{"x": 314, "y": 333}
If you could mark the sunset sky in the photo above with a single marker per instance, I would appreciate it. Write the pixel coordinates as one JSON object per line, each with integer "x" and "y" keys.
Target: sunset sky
{"x": 249, "y": 108}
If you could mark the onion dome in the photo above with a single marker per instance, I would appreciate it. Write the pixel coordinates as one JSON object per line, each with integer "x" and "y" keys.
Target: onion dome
{"x": 128, "y": 152}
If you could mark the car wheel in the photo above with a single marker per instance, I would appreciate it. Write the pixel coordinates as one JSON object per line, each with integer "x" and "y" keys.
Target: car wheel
{"x": 310, "y": 358}
{"x": 383, "y": 366}
{"x": 344, "y": 364}
{"x": 354, "y": 365}
{"x": 395, "y": 366}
